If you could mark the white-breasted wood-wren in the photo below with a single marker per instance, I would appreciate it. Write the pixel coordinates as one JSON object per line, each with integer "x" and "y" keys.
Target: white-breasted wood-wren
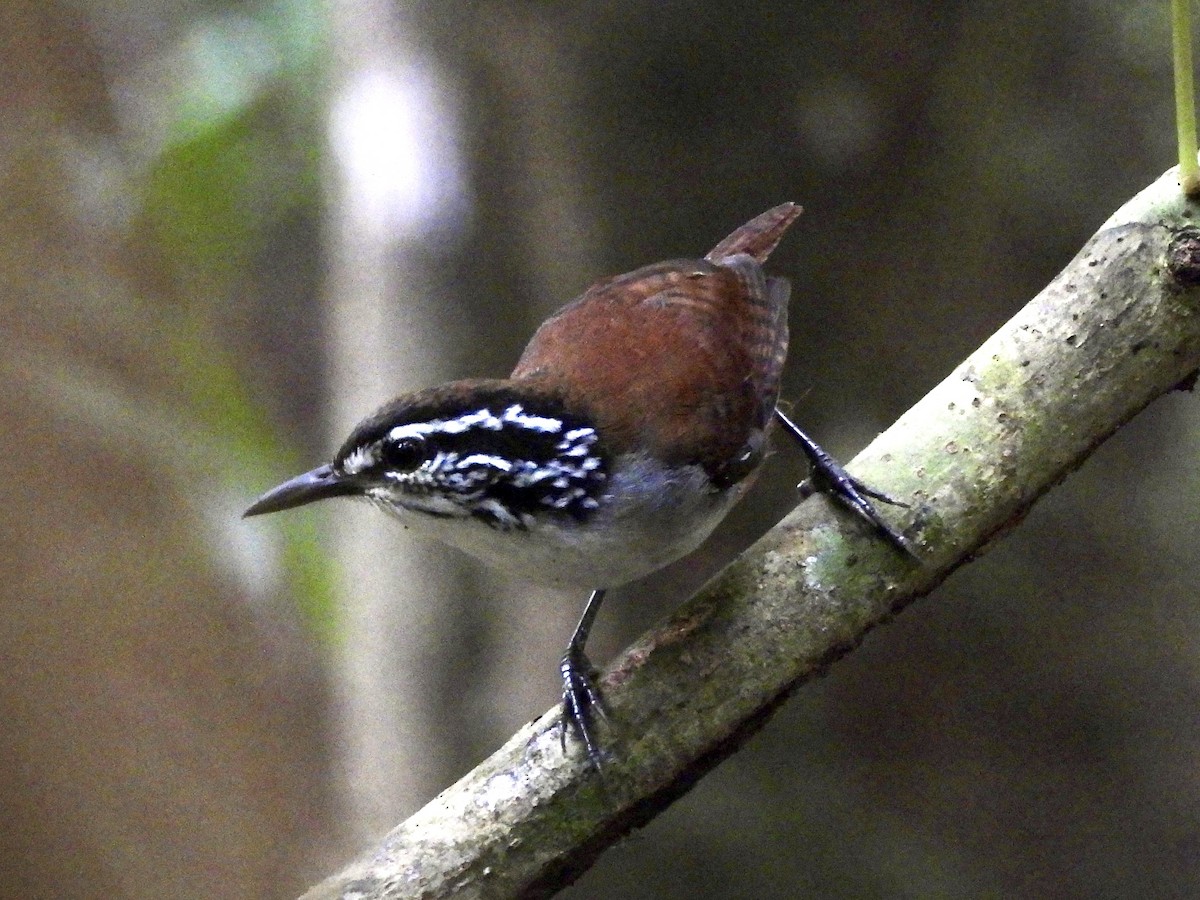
{"x": 635, "y": 419}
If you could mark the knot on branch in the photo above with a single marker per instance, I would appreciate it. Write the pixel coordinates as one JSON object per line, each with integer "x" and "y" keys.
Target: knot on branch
{"x": 1183, "y": 257}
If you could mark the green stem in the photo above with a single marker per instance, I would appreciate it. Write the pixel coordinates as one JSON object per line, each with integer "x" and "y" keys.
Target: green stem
{"x": 1185, "y": 96}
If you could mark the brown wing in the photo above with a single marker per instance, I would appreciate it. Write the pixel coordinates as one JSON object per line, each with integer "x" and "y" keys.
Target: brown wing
{"x": 685, "y": 355}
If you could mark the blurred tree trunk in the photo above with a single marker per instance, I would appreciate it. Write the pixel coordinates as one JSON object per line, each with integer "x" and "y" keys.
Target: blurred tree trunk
{"x": 395, "y": 190}
{"x": 442, "y": 657}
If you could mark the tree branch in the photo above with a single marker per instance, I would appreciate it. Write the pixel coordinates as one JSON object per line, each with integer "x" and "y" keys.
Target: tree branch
{"x": 1117, "y": 328}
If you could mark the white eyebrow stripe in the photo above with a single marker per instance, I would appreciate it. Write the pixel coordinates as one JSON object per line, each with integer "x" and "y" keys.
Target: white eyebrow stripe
{"x": 545, "y": 424}
{"x": 463, "y": 423}
{"x": 480, "y": 418}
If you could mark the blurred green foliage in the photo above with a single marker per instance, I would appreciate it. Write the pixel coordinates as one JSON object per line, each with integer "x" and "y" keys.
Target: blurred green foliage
{"x": 240, "y": 152}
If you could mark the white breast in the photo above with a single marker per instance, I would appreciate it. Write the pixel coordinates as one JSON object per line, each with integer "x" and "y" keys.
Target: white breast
{"x": 646, "y": 520}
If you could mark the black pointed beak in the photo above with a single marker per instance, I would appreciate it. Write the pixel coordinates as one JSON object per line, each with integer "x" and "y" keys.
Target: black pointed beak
{"x": 320, "y": 483}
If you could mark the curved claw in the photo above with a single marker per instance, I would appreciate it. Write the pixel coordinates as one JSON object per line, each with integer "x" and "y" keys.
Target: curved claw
{"x": 872, "y": 493}
{"x": 581, "y": 703}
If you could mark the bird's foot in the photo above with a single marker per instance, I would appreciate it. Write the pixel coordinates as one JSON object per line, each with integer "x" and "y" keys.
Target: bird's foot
{"x": 581, "y": 703}
{"x": 828, "y": 476}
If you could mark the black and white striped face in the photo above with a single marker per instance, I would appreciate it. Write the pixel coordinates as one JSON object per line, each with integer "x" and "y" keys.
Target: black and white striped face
{"x": 482, "y": 452}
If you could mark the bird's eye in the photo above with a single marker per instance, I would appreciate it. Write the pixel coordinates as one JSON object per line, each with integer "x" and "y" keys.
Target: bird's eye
{"x": 403, "y": 454}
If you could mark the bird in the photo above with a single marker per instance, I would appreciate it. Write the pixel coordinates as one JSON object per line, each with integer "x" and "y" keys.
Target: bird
{"x": 636, "y": 417}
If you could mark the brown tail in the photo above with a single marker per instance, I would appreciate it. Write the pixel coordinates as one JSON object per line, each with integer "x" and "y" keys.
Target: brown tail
{"x": 758, "y": 237}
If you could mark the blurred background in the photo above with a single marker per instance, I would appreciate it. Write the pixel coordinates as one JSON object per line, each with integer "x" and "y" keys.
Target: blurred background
{"x": 229, "y": 230}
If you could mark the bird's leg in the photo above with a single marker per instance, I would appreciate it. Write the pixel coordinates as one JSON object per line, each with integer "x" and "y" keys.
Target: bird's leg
{"x": 829, "y": 476}
{"x": 581, "y": 700}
